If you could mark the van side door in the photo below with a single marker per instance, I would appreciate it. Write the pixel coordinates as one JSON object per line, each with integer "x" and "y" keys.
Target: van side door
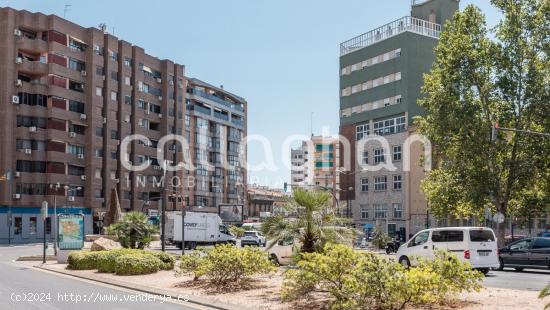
{"x": 420, "y": 246}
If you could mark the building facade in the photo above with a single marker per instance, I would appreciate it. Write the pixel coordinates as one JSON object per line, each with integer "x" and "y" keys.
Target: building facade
{"x": 264, "y": 202}
{"x": 380, "y": 80}
{"x": 69, "y": 96}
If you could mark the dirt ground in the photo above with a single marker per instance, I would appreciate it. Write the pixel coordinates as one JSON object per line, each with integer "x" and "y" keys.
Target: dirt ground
{"x": 262, "y": 292}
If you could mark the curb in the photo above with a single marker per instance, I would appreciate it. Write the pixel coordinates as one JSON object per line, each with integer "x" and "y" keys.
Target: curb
{"x": 201, "y": 301}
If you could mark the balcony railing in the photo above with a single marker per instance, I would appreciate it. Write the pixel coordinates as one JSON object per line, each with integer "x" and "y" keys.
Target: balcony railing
{"x": 408, "y": 23}
{"x": 217, "y": 100}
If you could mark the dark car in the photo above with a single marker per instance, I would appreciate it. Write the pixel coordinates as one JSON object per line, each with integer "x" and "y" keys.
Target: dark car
{"x": 526, "y": 253}
{"x": 544, "y": 234}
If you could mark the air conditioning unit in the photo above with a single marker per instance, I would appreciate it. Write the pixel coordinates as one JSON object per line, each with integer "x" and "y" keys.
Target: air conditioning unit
{"x": 17, "y": 32}
{"x": 96, "y": 48}
{"x": 83, "y": 73}
{"x": 104, "y": 120}
{"x": 83, "y": 177}
{"x": 147, "y": 203}
{"x": 80, "y": 156}
{"x": 82, "y": 116}
{"x": 18, "y": 83}
{"x": 72, "y": 134}
{"x": 19, "y": 60}
{"x": 147, "y": 111}
{"x": 171, "y": 83}
{"x": 160, "y": 115}
{"x": 16, "y": 196}
{"x": 28, "y": 151}
{"x": 17, "y": 174}
{"x": 15, "y": 99}
{"x": 70, "y": 198}
{"x": 127, "y": 118}
{"x": 160, "y": 97}
{"x": 32, "y": 129}
{"x": 159, "y": 80}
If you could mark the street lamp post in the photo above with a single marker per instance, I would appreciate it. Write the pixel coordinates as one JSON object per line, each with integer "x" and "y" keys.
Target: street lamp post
{"x": 350, "y": 189}
{"x": 56, "y": 187}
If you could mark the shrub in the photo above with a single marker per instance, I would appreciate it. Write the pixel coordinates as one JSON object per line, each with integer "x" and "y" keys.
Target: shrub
{"x": 167, "y": 261}
{"x": 380, "y": 238}
{"x": 84, "y": 260}
{"x": 236, "y": 231}
{"x": 366, "y": 281}
{"x": 106, "y": 262}
{"x": 133, "y": 231}
{"x": 226, "y": 263}
{"x": 136, "y": 264}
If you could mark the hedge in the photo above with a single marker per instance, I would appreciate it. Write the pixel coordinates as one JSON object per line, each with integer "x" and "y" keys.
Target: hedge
{"x": 107, "y": 261}
{"x": 84, "y": 260}
{"x": 167, "y": 261}
{"x": 136, "y": 264}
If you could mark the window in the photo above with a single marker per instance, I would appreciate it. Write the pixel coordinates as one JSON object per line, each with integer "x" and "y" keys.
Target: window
{"x": 520, "y": 245}
{"x": 76, "y": 86}
{"x": 75, "y": 106}
{"x": 114, "y": 134}
{"x": 541, "y": 243}
{"x": 482, "y": 235}
{"x": 365, "y": 158}
{"x": 75, "y": 149}
{"x": 127, "y": 62}
{"x": 76, "y": 65}
{"x": 76, "y": 170}
{"x": 113, "y": 95}
{"x": 128, "y": 100}
{"x": 99, "y": 91}
{"x": 18, "y": 225}
{"x": 397, "y": 153}
{"x": 33, "y": 99}
{"x": 397, "y": 210}
{"x": 448, "y": 236}
{"x": 362, "y": 131}
{"x": 97, "y": 174}
{"x": 127, "y": 80}
{"x": 389, "y": 126}
{"x": 380, "y": 183}
{"x": 420, "y": 239}
{"x": 98, "y": 152}
{"x": 32, "y": 225}
{"x": 142, "y": 104}
{"x": 397, "y": 183}
{"x": 48, "y": 226}
{"x": 379, "y": 156}
{"x": 99, "y": 131}
{"x": 364, "y": 212}
{"x": 114, "y": 75}
{"x": 99, "y": 70}
{"x": 380, "y": 211}
{"x": 364, "y": 185}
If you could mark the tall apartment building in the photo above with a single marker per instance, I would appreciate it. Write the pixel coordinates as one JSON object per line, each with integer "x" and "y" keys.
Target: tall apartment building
{"x": 69, "y": 95}
{"x": 380, "y": 80}
{"x": 314, "y": 164}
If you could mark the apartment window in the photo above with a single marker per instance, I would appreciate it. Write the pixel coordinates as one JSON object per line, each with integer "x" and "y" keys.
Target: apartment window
{"x": 365, "y": 158}
{"x": 113, "y": 95}
{"x": 99, "y": 131}
{"x": 364, "y": 185}
{"x": 397, "y": 182}
{"x": 113, "y": 55}
{"x": 389, "y": 126}
{"x": 380, "y": 183}
{"x": 142, "y": 104}
{"x": 33, "y": 99}
{"x": 31, "y": 166}
{"x": 76, "y": 86}
{"x": 127, "y": 80}
{"x": 398, "y": 99}
{"x": 128, "y": 100}
{"x": 99, "y": 91}
{"x": 397, "y": 210}
{"x": 98, "y": 152}
{"x": 380, "y": 211}
{"x": 75, "y": 106}
{"x": 127, "y": 62}
{"x": 76, "y": 65}
{"x": 98, "y": 193}
{"x": 76, "y": 170}
{"x": 379, "y": 156}
{"x": 361, "y": 131}
{"x": 75, "y": 149}
{"x": 397, "y": 153}
{"x": 99, "y": 70}
{"x": 97, "y": 174}
{"x": 114, "y": 75}
{"x": 78, "y": 129}
{"x": 114, "y": 134}
{"x": 364, "y": 212}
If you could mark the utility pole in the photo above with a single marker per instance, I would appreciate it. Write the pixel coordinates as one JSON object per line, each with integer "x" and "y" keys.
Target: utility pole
{"x": 44, "y": 218}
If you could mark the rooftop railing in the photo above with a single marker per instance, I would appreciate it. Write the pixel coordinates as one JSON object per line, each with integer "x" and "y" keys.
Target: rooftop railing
{"x": 217, "y": 99}
{"x": 408, "y": 23}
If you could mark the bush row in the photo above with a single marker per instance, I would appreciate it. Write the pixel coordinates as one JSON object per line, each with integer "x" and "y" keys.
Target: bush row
{"x": 226, "y": 264}
{"x": 121, "y": 261}
{"x": 366, "y": 281}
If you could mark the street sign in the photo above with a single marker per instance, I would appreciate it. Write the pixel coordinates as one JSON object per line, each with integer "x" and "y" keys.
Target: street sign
{"x": 498, "y": 218}
{"x": 44, "y": 210}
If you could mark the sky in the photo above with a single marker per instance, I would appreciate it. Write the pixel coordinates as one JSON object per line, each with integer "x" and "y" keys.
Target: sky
{"x": 281, "y": 55}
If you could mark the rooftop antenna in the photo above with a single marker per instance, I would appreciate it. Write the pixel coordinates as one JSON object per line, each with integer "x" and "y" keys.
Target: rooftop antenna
{"x": 311, "y": 123}
{"x": 103, "y": 27}
{"x": 66, "y": 9}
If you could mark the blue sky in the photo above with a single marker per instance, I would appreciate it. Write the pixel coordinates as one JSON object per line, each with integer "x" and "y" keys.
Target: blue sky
{"x": 282, "y": 55}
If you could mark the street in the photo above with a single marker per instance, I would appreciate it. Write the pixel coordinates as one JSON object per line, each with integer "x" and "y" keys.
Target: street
{"x": 25, "y": 288}
{"x": 529, "y": 279}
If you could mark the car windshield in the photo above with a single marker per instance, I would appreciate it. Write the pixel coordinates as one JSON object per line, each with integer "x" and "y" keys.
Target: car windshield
{"x": 481, "y": 235}
{"x": 250, "y": 234}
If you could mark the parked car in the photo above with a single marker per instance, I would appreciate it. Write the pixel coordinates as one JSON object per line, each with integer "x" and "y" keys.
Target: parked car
{"x": 282, "y": 252}
{"x": 253, "y": 238}
{"x": 527, "y": 253}
{"x": 544, "y": 234}
{"x": 508, "y": 238}
{"x": 476, "y": 245}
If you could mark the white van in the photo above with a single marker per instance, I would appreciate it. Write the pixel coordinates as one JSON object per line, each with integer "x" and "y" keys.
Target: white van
{"x": 476, "y": 245}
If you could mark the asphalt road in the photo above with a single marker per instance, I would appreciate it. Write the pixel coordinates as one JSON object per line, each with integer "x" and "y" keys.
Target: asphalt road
{"x": 528, "y": 279}
{"x": 23, "y": 288}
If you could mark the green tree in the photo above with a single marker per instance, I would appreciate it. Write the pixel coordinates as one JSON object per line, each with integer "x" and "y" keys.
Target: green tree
{"x": 237, "y": 231}
{"x": 483, "y": 77}
{"x": 380, "y": 238}
{"x": 133, "y": 231}
{"x": 316, "y": 222}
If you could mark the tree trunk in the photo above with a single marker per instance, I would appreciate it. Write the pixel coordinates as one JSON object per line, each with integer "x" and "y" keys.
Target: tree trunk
{"x": 501, "y": 227}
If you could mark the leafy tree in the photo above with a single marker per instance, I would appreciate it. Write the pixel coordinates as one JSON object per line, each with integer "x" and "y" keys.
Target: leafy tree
{"x": 315, "y": 224}
{"x": 238, "y": 232}
{"x": 133, "y": 231}
{"x": 483, "y": 77}
{"x": 380, "y": 238}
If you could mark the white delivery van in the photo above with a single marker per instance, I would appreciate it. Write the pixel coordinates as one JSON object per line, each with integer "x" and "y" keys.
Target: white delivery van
{"x": 201, "y": 228}
{"x": 476, "y": 245}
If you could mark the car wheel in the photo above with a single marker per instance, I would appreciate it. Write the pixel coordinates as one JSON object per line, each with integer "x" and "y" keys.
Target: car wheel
{"x": 518, "y": 269}
{"x": 500, "y": 264}
{"x": 274, "y": 260}
{"x": 404, "y": 261}
{"x": 242, "y": 245}
{"x": 484, "y": 271}
{"x": 388, "y": 250}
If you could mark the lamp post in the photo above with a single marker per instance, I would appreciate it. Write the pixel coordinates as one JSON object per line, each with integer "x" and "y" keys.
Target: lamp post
{"x": 56, "y": 187}
{"x": 350, "y": 189}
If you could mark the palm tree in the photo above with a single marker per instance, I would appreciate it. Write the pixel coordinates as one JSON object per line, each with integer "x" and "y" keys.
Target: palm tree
{"x": 315, "y": 224}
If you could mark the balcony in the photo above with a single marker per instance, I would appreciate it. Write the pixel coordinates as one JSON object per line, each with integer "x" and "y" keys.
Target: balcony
{"x": 34, "y": 68}
{"x": 408, "y": 23}
{"x": 200, "y": 109}
{"x": 219, "y": 100}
